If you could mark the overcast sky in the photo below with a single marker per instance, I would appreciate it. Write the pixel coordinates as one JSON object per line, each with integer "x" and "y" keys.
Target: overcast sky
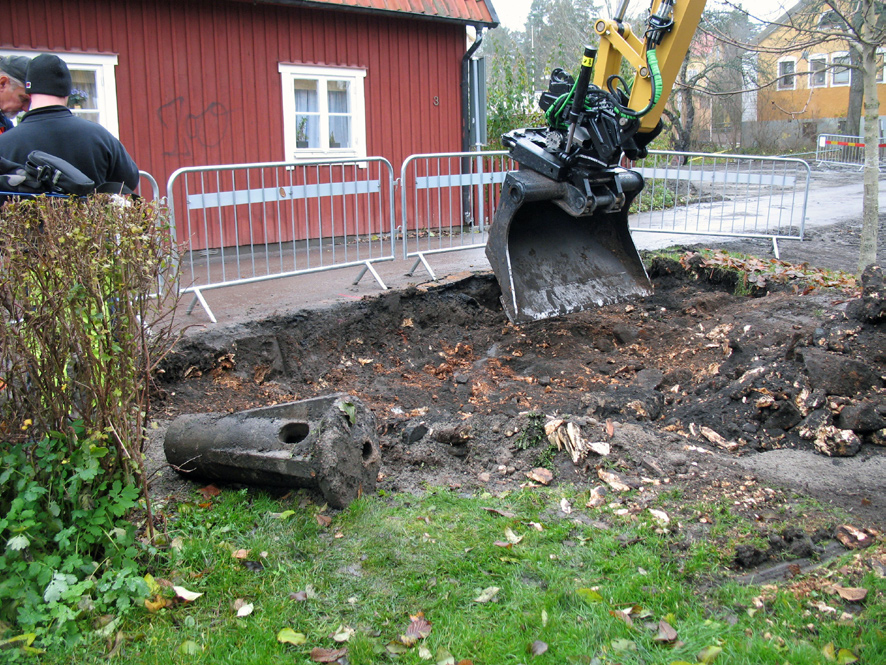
{"x": 512, "y": 13}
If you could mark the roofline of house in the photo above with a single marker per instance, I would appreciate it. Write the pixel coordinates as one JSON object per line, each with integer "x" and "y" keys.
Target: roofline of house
{"x": 780, "y": 21}
{"x": 318, "y": 4}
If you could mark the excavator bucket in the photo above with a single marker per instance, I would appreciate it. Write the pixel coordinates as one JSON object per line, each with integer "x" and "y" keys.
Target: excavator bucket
{"x": 561, "y": 247}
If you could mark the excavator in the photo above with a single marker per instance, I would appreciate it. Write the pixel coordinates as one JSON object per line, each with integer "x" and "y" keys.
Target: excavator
{"x": 559, "y": 241}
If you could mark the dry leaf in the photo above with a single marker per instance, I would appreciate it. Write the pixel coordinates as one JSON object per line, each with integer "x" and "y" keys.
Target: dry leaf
{"x": 610, "y": 429}
{"x": 183, "y": 593}
{"x": 240, "y": 554}
{"x": 540, "y": 475}
{"x": 209, "y": 491}
{"x": 660, "y": 516}
{"x": 319, "y": 655}
{"x": 487, "y": 595}
{"x": 623, "y": 616}
{"x": 512, "y": 537}
{"x": 565, "y": 507}
{"x": 157, "y": 604}
{"x": 418, "y": 629}
{"x": 343, "y": 634}
{"x": 666, "y": 633}
{"x": 613, "y": 480}
{"x": 323, "y": 520}
{"x": 245, "y": 609}
{"x": 852, "y": 594}
{"x": 537, "y": 648}
{"x": 502, "y": 513}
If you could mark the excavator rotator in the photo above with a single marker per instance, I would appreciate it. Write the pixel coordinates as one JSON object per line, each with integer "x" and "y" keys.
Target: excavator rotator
{"x": 559, "y": 241}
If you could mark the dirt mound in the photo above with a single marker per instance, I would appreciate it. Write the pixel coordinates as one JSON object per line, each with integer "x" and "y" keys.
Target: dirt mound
{"x": 692, "y": 386}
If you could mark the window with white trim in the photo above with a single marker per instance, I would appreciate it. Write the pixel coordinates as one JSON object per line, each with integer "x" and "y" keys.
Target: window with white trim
{"x": 786, "y": 74}
{"x": 840, "y": 74}
{"x": 879, "y": 63}
{"x": 324, "y": 111}
{"x": 95, "y": 86}
{"x": 818, "y": 71}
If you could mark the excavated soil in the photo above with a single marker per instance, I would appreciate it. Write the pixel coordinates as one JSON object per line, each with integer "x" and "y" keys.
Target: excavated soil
{"x": 695, "y": 388}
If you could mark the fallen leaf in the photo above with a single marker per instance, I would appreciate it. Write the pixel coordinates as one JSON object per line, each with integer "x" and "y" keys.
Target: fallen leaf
{"x": 284, "y": 515}
{"x": 396, "y": 648}
{"x": 424, "y": 653}
{"x": 245, "y": 610}
{"x": 443, "y": 657}
{"x": 323, "y": 520}
{"x": 852, "y": 594}
{"x": 707, "y": 655}
{"x": 537, "y": 648}
{"x": 487, "y": 595}
{"x": 289, "y": 636}
{"x": 846, "y": 657}
{"x": 240, "y": 554}
{"x": 319, "y": 655}
{"x": 565, "y": 506}
{"x": 590, "y": 595}
{"x": 157, "y": 604}
{"x": 666, "y": 633}
{"x": 189, "y": 648}
{"x": 512, "y": 537}
{"x": 535, "y": 525}
{"x": 610, "y": 428}
{"x": 540, "y": 475}
{"x": 623, "y": 645}
{"x": 503, "y": 543}
{"x": 502, "y": 513}
{"x": 623, "y": 616}
{"x": 418, "y": 629}
{"x": 343, "y": 634}
{"x": 209, "y": 491}
{"x": 298, "y": 595}
{"x": 183, "y": 593}
{"x": 660, "y": 516}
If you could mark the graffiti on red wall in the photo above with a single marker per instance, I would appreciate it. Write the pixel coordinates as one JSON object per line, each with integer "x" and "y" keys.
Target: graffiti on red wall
{"x": 186, "y": 133}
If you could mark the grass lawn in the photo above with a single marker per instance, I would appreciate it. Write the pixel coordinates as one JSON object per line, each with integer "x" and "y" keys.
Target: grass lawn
{"x": 527, "y": 577}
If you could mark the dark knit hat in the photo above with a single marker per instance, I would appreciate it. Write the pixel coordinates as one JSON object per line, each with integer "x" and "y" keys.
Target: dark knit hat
{"x": 15, "y": 66}
{"x": 48, "y": 75}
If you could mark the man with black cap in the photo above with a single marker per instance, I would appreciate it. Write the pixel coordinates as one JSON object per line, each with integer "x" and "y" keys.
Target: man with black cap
{"x": 13, "y": 98}
{"x": 51, "y": 127}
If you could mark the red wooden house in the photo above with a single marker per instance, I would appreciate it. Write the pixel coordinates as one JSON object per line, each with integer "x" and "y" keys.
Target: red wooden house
{"x": 200, "y": 82}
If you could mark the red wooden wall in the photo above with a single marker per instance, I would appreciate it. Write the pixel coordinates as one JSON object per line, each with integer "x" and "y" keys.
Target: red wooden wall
{"x": 197, "y": 80}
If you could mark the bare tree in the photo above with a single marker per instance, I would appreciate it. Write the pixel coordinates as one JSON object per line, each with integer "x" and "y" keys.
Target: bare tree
{"x": 859, "y": 25}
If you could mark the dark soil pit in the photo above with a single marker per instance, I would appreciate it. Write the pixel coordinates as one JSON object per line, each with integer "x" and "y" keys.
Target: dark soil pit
{"x": 718, "y": 399}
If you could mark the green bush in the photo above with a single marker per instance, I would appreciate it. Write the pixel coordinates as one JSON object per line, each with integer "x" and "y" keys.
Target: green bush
{"x": 87, "y": 292}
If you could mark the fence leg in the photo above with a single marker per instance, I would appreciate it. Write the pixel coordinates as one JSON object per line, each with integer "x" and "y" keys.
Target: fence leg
{"x": 421, "y": 259}
{"x": 198, "y": 296}
{"x": 775, "y": 247}
{"x": 368, "y": 266}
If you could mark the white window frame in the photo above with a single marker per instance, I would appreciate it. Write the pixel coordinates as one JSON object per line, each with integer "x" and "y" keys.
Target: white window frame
{"x": 782, "y": 84}
{"x": 881, "y": 55}
{"x": 835, "y": 73}
{"x": 355, "y": 77}
{"x": 104, "y": 67}
{"x": 816, "y": 57}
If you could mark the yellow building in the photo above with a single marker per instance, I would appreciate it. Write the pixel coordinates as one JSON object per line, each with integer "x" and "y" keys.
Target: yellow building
{"x": 810, "y": 92}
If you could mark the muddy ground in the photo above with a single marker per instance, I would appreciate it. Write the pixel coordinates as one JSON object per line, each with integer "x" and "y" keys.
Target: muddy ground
{"x": 760, "y": 401}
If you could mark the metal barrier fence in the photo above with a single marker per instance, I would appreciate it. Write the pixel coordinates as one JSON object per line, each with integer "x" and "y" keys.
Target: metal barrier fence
{"x": 722, "y": 195}
{"x": 244, "y": 223}
{"x": 447, "y": 201}
{"x": 151, "y": 182}
{"x": 845, "y": 150}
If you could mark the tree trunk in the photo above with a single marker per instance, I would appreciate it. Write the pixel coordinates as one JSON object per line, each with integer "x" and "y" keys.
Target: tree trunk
{"x": 856, "y": 93}
{"x": 871, "y": 207}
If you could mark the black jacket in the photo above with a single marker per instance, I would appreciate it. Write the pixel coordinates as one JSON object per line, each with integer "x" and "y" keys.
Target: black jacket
{"x": 87, "y": 145}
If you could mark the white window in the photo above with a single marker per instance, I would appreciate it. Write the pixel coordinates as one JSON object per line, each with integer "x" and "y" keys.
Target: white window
{"x": 324, "y": 112}
{"x": 95, "y": 86}
{"x": 818, "y": 74}
{"x": 840, "y": 75}
{"x": 879, "y": 63}
{"x": 786, "y": 77}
